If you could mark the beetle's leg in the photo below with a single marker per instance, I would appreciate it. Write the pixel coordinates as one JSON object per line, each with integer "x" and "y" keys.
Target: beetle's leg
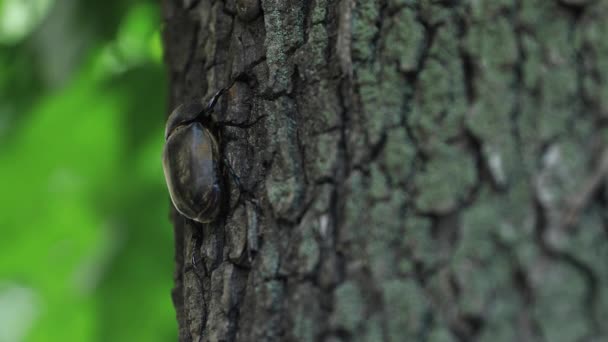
{"x": 236, "y": 180}
{"x": 252, "y": 209}
{"x": 195, "y": 264}
{"x": 198, "y": 243}
{"x": 214, "y": 99}
{"x": 193, "y": 261}
{"x": 217, "y": 95}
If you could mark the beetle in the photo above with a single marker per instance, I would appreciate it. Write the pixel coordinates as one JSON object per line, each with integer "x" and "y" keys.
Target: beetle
{"x": 191, "y": 161}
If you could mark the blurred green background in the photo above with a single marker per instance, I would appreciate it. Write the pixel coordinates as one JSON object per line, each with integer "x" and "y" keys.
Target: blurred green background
{"x": 86, "y": 249}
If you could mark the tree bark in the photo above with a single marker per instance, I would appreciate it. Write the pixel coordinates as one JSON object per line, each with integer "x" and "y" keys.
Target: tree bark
{"x": 409, "y": 170}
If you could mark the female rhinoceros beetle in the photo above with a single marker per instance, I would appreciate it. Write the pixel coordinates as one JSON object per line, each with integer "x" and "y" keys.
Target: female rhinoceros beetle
{"x": 191, "y": 161}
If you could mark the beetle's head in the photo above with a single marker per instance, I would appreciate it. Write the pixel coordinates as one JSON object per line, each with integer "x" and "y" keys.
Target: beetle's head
{"x": 191, "y": 111}
{"x": 182, "y": 115}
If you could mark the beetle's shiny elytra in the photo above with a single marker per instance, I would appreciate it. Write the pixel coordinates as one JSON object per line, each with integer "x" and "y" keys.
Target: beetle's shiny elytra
{"x": 191, "y": 164}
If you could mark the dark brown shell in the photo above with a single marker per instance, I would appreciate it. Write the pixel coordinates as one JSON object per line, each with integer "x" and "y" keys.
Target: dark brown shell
{"x": 191, "y": 166}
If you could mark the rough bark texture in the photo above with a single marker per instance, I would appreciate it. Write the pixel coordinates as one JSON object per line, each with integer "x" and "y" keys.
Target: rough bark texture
{"x": 411, "y": 170}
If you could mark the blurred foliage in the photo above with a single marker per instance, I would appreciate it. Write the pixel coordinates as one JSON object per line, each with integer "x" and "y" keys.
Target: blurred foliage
{"x": 86, "y": 249}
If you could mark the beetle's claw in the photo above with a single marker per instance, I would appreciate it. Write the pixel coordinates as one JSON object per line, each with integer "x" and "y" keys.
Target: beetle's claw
{"x": 236, "y": 181}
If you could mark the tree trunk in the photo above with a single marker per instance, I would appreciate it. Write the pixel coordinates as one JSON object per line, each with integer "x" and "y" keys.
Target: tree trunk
{"x": 409, "y": 170}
